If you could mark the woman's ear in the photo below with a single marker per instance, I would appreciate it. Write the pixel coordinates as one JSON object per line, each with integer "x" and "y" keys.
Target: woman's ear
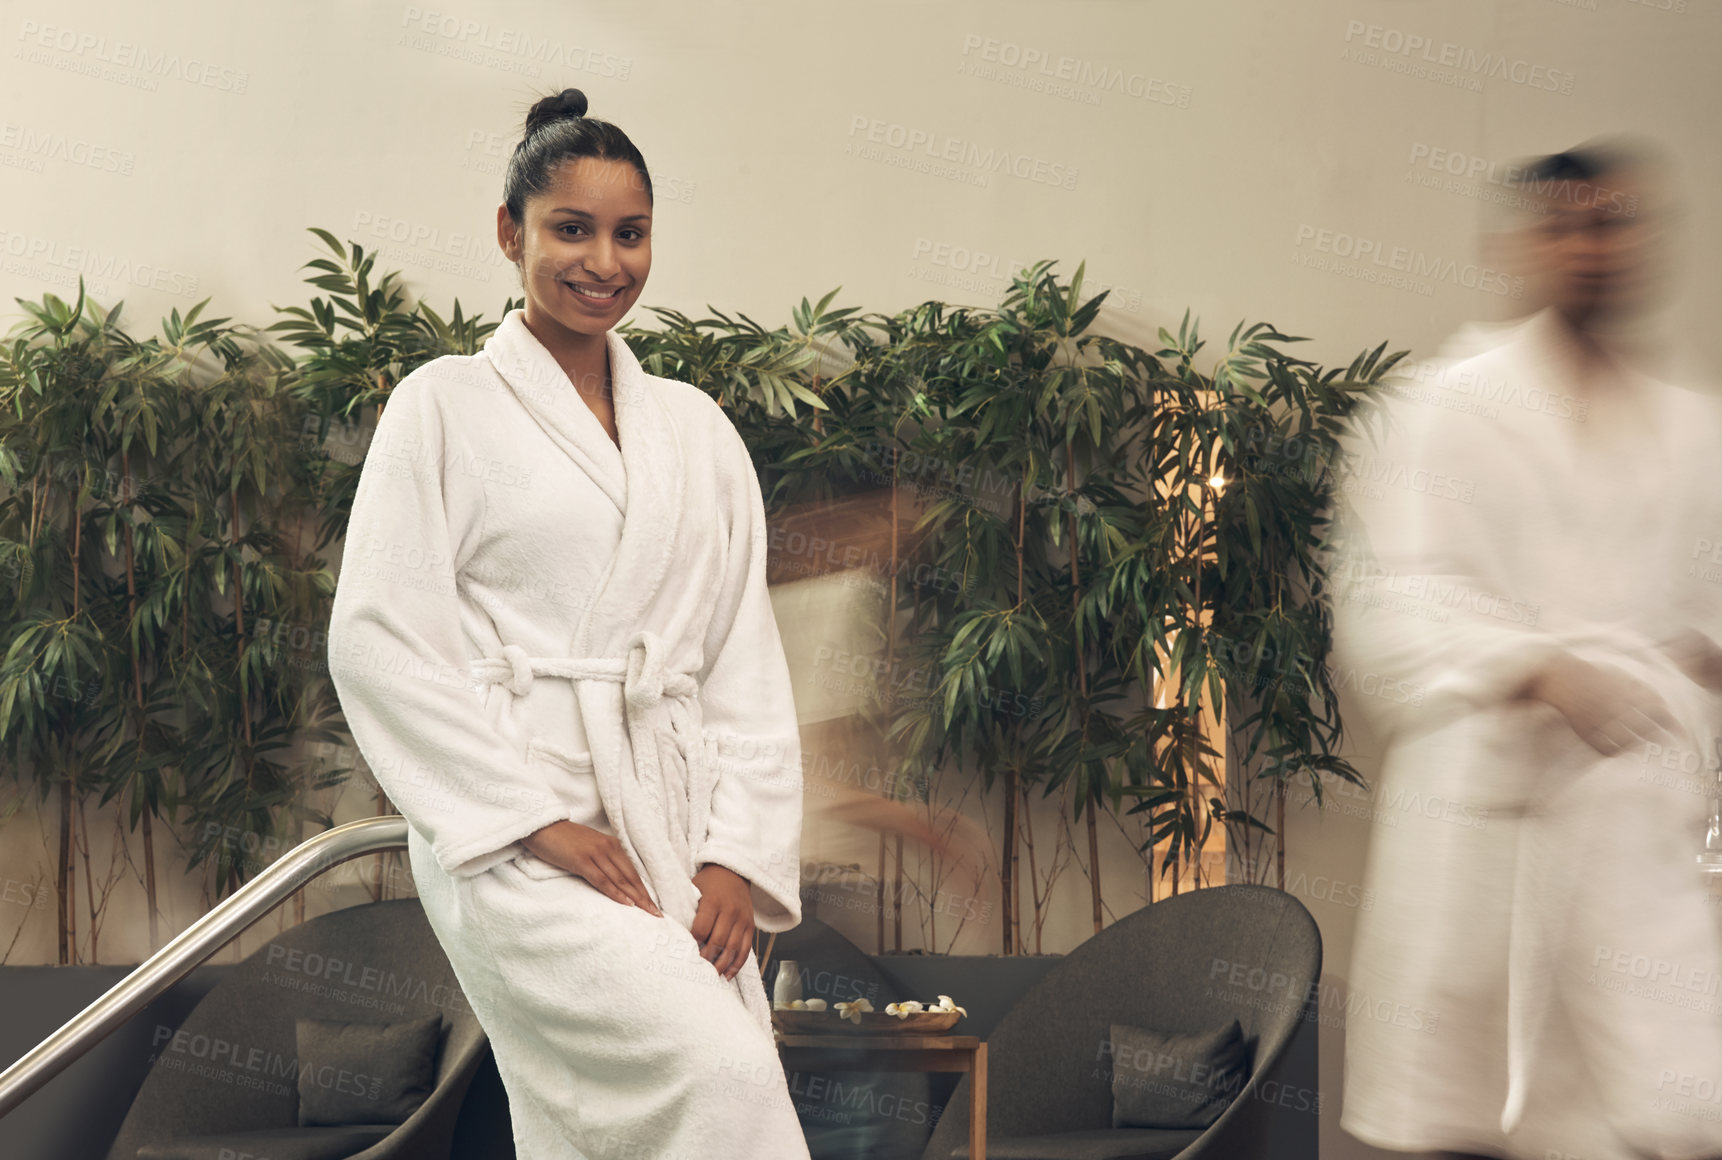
{"x": 508, "y": 234}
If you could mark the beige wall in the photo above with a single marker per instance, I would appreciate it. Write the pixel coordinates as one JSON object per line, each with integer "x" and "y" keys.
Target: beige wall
{"x": 1244, "y": 137}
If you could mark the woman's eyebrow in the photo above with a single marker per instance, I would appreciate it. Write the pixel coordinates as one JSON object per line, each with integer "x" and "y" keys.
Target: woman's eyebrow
{"x": 587, "y": 214}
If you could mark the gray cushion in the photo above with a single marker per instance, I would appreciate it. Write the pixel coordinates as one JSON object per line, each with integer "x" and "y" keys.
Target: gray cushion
{"x": 1166, "y": 1080}
{"x": 365, "y": 1073}
{"x": 270, "y": 1143}
{"x": 1096, "y": 1144}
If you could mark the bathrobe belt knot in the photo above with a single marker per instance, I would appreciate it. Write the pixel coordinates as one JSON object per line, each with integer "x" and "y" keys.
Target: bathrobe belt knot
{"x": 641, "y": 673}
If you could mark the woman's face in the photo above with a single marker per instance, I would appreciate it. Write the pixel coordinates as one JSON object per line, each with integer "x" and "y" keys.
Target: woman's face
{"x": 585, "y": 247}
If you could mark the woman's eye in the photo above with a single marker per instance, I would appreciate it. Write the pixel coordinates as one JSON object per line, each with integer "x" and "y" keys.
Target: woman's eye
{"x": 570, "y": 226}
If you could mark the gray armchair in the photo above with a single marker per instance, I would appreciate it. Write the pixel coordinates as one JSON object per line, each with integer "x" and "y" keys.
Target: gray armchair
{"x": 1185, "y": 964}
{"x": 224, "y": 1083}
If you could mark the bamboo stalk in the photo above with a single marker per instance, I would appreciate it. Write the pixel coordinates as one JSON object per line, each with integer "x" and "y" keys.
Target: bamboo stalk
{"x": 1092, "y": 819}
{"x": 1007, "y": 864}
{"x": 239, "y": 627}
{"x": 185, "y": 587}
{"x": 891, "y": 669}
{"x": 1033, "y": 873}
{"x": 83, "y": 846}
{"x": 67, "y": 912}
{"x": 879, "y": 897}
{"x": 1280, "y": 825}
{"x": 144, "y": 815}
{"x": 68, "y": 794}
{"x": 897, "y": 900}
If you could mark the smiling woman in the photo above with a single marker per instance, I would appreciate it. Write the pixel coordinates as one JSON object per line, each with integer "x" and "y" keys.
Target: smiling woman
{"x": 597, "y": 835}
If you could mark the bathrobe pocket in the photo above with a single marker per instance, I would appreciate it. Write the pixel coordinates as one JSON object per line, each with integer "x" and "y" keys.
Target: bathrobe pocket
{"x": 571, "y": 777}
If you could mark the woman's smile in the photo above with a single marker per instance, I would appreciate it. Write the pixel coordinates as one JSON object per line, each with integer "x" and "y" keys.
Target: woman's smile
{"x": 594, "y": 292}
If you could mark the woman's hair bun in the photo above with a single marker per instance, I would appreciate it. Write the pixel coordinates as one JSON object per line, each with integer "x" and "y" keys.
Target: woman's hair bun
{"x": 565, "y": 104}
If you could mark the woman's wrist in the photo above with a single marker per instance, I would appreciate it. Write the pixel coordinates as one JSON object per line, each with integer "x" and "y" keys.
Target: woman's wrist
{"x": 534, "y": 841}
{"x": 704, "y": 866}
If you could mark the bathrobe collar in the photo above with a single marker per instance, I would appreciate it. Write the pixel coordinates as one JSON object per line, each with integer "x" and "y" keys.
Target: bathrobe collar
{"x": 645, "y": 479}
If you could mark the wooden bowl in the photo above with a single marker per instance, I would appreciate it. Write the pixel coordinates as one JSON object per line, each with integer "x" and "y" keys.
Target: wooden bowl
{"x": 793, "y": 1022}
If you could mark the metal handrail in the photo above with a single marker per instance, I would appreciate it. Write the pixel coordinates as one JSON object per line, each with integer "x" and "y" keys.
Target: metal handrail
{"x": 192, "y": 946}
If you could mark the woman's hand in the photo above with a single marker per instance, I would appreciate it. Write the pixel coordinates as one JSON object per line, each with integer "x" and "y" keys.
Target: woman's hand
{"x": 595, "y": 856}
{"x": 723, "y": 924}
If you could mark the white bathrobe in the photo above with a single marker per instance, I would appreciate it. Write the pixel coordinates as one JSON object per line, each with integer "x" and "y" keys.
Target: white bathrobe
{"x": 532, "y": 625}
{"x": 1520, "y": 881}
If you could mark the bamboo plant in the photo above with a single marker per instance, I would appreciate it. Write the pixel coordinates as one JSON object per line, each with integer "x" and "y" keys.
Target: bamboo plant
{"x": 1127, "y": 576}
{"x": 144, "y": 485}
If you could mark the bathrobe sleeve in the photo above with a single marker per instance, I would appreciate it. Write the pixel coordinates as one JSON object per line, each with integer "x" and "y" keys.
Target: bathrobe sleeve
{"x": 752, "y": 740}
{"x": 397, "y": 657}
{"x": 1431, "y": 617}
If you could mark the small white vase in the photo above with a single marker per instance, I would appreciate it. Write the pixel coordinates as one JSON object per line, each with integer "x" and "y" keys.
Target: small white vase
{"x": 787, "y": 987}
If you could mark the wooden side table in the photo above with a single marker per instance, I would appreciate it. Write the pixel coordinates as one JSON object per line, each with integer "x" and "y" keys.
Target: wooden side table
{"x": 862, "y": 1051}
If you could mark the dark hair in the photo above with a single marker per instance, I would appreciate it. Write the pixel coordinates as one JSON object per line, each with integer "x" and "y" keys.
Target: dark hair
{"x": 558, "y": 130}
{"x": 1582, "y": 163}
{"x": 1590, "y": 160}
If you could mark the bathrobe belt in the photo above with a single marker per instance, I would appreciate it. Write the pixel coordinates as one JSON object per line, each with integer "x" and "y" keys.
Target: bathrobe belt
{"x": 654, "y": 817}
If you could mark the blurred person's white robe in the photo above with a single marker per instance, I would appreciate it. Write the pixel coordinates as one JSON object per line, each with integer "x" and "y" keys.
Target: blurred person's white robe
{"x": 533, "y": 624}
{"x": 1521, "y": 881}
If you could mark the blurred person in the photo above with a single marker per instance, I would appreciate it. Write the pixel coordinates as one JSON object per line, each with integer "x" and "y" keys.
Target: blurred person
{"x": 1526, "y": 544}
